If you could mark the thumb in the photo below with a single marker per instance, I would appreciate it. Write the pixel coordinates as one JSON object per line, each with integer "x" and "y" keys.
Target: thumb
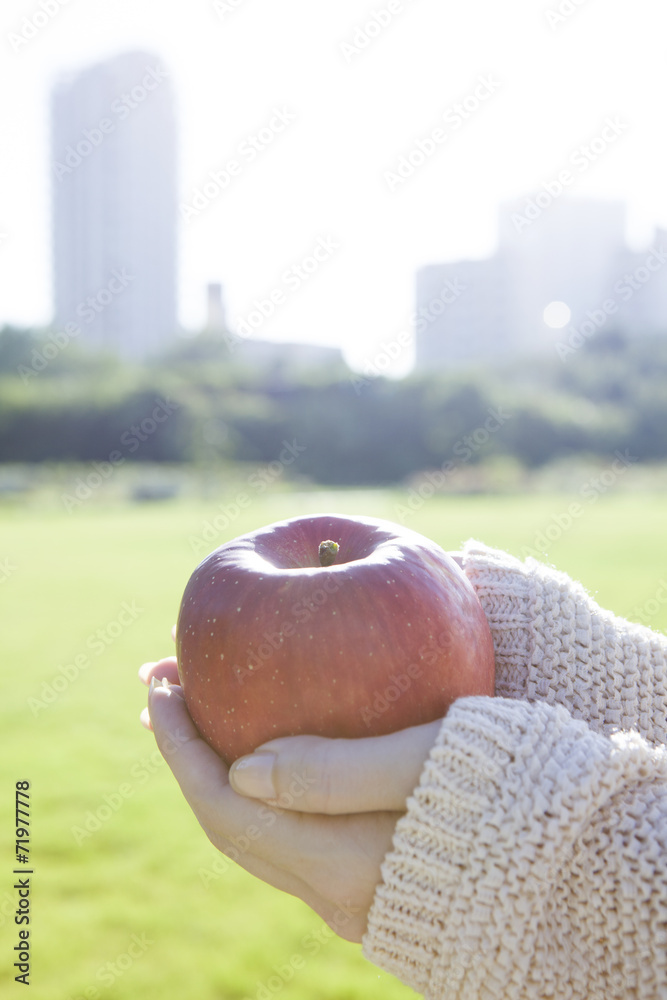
{"x": 311, "y": 774}
{"x": 199, "y": 771}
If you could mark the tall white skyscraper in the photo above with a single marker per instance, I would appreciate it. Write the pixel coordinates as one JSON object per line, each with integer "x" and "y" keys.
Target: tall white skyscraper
{"x": 113, "y": 168}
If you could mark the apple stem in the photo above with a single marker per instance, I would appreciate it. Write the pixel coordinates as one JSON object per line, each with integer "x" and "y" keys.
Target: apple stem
{"x": 327, "y": 552}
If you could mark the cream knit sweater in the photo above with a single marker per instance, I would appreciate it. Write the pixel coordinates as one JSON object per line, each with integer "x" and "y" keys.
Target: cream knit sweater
{"x": 532, "y": 860}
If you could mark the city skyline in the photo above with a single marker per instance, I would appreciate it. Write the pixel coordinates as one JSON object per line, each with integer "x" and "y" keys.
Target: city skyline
{"x": 562, "y": 272}
{"x": 475, "y": 106}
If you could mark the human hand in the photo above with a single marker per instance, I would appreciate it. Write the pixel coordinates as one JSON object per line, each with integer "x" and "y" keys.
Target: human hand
{"x": 313, "y": 817}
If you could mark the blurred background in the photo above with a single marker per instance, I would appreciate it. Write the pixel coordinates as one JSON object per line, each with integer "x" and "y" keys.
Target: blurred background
{"x": 400, "y": 259}
{"x": 365, "y": 228}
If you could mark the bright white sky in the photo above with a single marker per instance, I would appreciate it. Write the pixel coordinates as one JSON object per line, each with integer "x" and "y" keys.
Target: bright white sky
{"x": 354, "y": 115}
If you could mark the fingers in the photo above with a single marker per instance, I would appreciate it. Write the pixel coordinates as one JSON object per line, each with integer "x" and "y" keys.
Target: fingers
{"x": 197, "y": 768}
{"x": 332, "y": 863}
{"x": 167, "y": 667}
{"x": 200, "y": 772}
{"x": 202, "y": 777}
{"x": 315, "y": 775}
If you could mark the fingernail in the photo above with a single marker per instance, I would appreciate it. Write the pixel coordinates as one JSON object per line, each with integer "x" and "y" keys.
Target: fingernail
{"x": 253, "y": 775}
{"x": 152, "y": 685}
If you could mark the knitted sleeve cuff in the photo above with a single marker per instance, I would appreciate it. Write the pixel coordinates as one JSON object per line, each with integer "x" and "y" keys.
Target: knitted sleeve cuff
{"x": 507, "y": 790}
{"x": 432, "y": 845}
{"x": 553, "y": 643}
{"x": 507, "y": 593}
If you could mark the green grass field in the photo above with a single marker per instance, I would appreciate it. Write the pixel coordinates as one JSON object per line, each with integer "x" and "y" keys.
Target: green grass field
{"x": 126, "y": 909}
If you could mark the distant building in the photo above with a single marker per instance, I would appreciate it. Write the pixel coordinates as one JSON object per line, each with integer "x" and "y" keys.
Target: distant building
{"x": 113, "y": 173}
{"x": 292, "y": 357}
{"x": 572, "y": 251}
{"x": 451, "y": 313}
{"x": 216, "y": 320}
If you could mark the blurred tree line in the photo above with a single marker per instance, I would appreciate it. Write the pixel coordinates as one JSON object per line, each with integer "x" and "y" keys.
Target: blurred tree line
{"x": 199, "y": 403}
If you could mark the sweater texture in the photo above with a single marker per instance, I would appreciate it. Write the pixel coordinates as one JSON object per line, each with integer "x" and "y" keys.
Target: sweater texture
{"x": 532, "y": 859}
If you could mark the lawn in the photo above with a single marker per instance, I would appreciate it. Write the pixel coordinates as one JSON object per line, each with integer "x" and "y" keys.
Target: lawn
{"x": 128, "y": 897}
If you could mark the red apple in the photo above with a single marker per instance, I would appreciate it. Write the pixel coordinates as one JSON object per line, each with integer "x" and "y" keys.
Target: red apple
{"x": 377, "y": 630}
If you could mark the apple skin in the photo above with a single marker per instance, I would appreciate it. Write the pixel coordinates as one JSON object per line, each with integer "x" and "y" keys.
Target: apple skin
{"x": 270, "y": 643}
